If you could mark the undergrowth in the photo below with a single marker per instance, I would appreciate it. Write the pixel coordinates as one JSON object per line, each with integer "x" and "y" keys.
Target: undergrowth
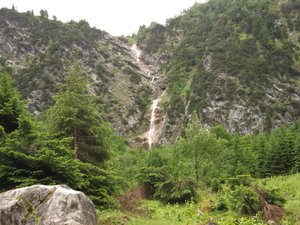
{"x": 151, "y": 212}
{"x": 290, "y": 188}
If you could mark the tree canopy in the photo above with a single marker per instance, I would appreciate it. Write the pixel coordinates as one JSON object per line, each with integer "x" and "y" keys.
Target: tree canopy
{"x": 11, "y": 107}
{"x": 78, "y": 114}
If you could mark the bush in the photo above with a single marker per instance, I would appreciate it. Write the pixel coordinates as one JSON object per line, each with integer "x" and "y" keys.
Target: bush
{"x": 132, "y": 201}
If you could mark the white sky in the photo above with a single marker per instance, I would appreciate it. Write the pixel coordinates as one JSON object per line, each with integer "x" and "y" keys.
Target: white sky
{"x": 117, "y": 17}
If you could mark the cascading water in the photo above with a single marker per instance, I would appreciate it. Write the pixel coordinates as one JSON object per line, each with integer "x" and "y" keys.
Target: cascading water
{"x": 137, "y": 52}
{"x": 152, "y": 80}
{"x": 151, "y": 133}
{"x": 152, "y": 123}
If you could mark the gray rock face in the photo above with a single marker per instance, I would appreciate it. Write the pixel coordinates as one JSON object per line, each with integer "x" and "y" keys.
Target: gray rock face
{"x": 40, "y": 204}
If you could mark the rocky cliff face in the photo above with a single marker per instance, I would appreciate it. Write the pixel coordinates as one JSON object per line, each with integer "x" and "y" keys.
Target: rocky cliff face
{"x": 216, "y": 64}
{"x": 34, "y": 51}
{"x": 232, "y": 65}
{"x": 245, "y": 115}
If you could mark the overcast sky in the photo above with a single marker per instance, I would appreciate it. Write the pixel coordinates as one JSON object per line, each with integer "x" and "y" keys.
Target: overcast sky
{"x": 117, "y": 17}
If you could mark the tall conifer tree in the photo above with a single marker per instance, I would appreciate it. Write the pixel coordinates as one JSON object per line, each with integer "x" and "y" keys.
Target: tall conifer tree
{"x": 77, "y": 114}
{"x": 10, "y": 105}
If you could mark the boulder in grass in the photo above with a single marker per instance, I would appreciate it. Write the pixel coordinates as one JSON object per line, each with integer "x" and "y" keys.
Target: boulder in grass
{"x": 40, "y": 204}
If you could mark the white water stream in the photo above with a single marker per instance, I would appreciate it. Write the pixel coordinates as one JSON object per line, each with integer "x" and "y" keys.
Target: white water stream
{"x": 137, "y": 52}
{"x": 151, "y": 132}
{"x": 152, "y": 80}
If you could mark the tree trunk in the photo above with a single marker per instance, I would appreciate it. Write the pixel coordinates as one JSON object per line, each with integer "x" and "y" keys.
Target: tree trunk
{"x": 196, "y": 165}
{"x": 75, "y": 142}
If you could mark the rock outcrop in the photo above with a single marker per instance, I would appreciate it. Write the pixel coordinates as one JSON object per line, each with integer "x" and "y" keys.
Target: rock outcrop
{"x": 40, "y": 204}
{"x": 36, "y": 60}
{"x": 198, "y": 69}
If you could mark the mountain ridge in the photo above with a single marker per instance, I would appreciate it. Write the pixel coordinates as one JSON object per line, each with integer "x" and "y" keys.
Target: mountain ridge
{"x": 232, "y": 62}
{"x": 235, "y": 64}
{"x": 37, "y": 60}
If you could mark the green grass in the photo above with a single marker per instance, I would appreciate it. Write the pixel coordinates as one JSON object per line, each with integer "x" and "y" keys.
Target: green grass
{"x": 290, "y": 188}
{"x": 278, "y": 44}
{"x": 156, "y": 212}
{"x": 245, "y": 36}
{"x": 160, "y": 214}
{"x": 130, "y": 40}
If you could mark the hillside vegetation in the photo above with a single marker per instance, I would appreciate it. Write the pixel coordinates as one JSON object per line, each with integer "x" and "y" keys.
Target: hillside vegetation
{"x": 187, "y": 213}
{"x": 34, "y": 49}
{"x": 227, "y": 73}
{"x": 234, "y": 62}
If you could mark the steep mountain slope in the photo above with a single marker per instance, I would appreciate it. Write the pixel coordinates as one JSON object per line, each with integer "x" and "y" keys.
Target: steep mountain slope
{"x": 34, "y": 50}
{"x": 234, "y": 62}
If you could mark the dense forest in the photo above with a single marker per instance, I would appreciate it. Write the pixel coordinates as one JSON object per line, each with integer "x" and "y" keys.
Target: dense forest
{"x": 224, "y": 50}
{"x": 71, "y": 144}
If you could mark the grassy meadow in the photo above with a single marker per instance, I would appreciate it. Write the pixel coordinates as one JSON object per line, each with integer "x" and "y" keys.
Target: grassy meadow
{"x": 151, "y": 212}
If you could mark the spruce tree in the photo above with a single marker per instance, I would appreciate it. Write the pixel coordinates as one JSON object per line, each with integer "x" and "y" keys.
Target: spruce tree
{"x": 296, "y": 154}
{"x": 285, "y": 149}
{"x": 248, "y": 156}
{"x": 11, "y": 107}
{"x": 259, "y": 148}
{"x": 297, "y": 23}
{"x": 27, "y": 156}
{"x": 77, "y": 114}
{"x": 273, "y": 164}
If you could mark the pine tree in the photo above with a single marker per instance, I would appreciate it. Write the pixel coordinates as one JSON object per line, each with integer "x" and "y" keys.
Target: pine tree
{"x": 172, "y": 180}
{"x": 297, "y": 22}
{"x": 26, "y": 156}
{"x": 259, "y": 148}
{"x": 285, "y": 149}
{"x": 77, "y": 114}
{"x": 249, "y": 157}
{"x": 29, "y": 155}
{"x": 296, "y": 154}
{"x": 273, "y": 164}
{"x": 10, "y": 105}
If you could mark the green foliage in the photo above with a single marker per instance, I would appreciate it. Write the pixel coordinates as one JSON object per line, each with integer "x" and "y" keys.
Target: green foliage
{"x": 221, "y": 132}
{"x": 30, "y": 157}
{"x": 134, "y": 76}
{"x": 154, "y": 40}
{"x": 164, "y": 179}
{"x": 98, "y": 184}
{"x": 176, "y": 191}
{"x": 247, "y": 40}
{"x": 77, "y": 114}
{"x": 143, "y": 98}
{"x": 201, "y": 147}
{"x": 50, "y": 162}
{"x": 44, "y": 14}
{"x": 29, "y": 154}
{"x": 221, "y": 50}
{"x": 11, "y": 107}
{"x": 176, "y": 214}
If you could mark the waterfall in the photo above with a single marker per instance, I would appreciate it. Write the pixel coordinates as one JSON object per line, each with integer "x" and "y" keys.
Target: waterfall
{"x": 152, "y": 80}
{"x": 145, "y": 69}
{"x": 137, "y": 52}
{"x": 151, "y": 133}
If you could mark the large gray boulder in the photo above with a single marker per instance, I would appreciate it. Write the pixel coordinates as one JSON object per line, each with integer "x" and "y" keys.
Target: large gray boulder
{"x": 46, "y": 205}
